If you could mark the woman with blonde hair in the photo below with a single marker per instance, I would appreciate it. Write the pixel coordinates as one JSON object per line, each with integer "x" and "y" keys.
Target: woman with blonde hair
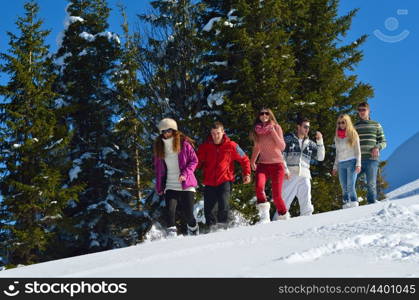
{"x": 268, "y": 162}
{"x": 175, "y": 161}
{"x": 348, "y": 159}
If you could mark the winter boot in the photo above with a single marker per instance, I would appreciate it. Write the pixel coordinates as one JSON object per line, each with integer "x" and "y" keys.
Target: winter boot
{"x": 306, "y": 211}
{"x": 361, "y": 200}
{"x": 213, "y": 228}
{"x": 263, "y": 212}
{"x": 350, "y": 204}
{"x": 193, "y": 230}
{"x": 223, "y": 226}
{"x": 285, "y": 216}
{"x": 353, "y": 204}
{"x": 172, "y": 232}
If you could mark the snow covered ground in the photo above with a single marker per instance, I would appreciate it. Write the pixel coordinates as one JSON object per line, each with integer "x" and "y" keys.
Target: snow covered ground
{"x": 379, "y": 240}
{"x": 402, "y": 166}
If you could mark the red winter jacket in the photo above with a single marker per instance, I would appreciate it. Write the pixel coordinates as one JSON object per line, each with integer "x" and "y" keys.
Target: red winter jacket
{"x": 218, "y": 161}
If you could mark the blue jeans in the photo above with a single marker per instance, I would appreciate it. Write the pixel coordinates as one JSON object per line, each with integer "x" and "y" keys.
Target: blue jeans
{"x": 370, "y": 168}
{"x": 347, "y": 178}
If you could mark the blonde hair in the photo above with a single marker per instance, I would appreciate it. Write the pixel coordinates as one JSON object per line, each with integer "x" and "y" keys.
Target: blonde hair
{"x": 350, "y": 129}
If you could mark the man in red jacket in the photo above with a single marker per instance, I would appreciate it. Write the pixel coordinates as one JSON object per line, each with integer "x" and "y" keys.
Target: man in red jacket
{"x": 216, "y": 156}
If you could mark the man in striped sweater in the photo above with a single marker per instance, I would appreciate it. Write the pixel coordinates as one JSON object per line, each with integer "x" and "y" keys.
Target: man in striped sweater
{"x": 372, "y": 140}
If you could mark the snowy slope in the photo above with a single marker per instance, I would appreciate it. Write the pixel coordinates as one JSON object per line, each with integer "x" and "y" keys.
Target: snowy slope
{"x": 403, "y": 165}
{"x": 404, "y": 191}
{"x": 379, "y": 240}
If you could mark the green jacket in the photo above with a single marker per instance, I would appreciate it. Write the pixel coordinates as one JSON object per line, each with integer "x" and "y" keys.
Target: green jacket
{"x": 371, "y": 135}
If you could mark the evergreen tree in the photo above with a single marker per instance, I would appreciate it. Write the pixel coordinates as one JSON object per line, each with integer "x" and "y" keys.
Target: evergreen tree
{"x": 130, "y": 132}
{"x": 172, "y": 66}
{"x": 102, "y": 218}
{"x": 252, "y": 61}
{"x": 32, "y": 144}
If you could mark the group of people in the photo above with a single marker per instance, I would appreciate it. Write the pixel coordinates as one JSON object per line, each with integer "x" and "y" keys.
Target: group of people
{"x": 285, "y": 160}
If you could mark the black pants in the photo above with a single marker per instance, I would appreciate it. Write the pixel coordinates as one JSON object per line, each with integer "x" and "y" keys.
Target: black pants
{"x": 185, "y": 201}
{"x": 217, "y": 196}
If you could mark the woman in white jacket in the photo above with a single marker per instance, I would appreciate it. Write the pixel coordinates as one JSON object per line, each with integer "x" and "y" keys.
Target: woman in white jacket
{"x": 348, "y": 159}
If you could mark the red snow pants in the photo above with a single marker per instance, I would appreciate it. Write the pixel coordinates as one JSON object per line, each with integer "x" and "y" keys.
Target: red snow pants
{"x": 274, "y": 172}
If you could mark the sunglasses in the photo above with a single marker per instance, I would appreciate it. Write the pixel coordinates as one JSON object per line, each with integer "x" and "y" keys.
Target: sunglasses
{"x": 340, "y": 123}
{"x": 264, "y": 113}
{"x": 306, "y": 127}
{"x": 167, "y": 131}
{"x": 362, "y": 109}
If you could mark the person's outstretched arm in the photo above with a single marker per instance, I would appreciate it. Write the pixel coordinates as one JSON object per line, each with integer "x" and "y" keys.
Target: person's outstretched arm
{"x": 241, "y": 157}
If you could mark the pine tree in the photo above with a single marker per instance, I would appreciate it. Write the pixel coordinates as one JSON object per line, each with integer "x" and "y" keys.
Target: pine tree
{"x": 102, "y": 218}
{"x": 173, "y": 68}
{"x": 252, "y": 61}
{"x": 32, "y": 145}
{"x": 130, "y": 131}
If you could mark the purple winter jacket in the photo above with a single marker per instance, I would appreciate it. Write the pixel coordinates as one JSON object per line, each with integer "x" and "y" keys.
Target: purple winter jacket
{"x": 188, "y": 162}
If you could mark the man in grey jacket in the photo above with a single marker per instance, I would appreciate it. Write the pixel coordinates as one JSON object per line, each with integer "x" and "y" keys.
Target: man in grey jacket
{"x": 298, "y": 154}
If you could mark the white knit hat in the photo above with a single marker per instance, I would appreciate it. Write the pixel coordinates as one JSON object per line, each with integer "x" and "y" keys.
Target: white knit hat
{"x": 167, "y": 123}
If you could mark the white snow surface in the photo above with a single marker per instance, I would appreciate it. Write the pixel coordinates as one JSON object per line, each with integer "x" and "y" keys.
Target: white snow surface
{"x": 87, "y": 36}
{"x": 404, "y": 191}
{"x": 216, "y": 98}
{"x": 74, "y": 172}
{"x": 378, "y": 240}
{"x": 210, "y": 24}
{"x": 71, "y": 20}
{"x": 219, "y": 63}
{"x": 403, "y": 164}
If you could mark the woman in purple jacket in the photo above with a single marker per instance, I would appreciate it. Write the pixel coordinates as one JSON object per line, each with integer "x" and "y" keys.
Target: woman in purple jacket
{"x": 175, "y": 162}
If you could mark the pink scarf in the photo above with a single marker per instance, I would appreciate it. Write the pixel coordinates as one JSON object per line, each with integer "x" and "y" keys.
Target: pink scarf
{"x": 341, "y": 133}
{"x": 264, "y": 129}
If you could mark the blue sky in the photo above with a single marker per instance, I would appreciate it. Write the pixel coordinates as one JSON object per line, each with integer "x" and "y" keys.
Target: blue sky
{"x": 390, "y": 61}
